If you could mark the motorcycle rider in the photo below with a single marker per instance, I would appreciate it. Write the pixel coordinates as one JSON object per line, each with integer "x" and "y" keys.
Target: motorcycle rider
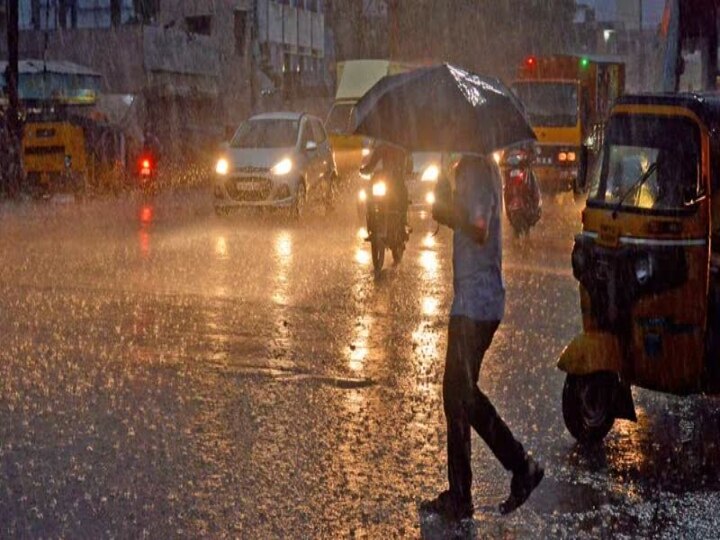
{"x": 393, "y": 161}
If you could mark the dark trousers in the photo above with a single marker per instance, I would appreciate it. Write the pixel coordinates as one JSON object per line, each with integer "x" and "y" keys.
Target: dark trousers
{"x": 465, "y": 406}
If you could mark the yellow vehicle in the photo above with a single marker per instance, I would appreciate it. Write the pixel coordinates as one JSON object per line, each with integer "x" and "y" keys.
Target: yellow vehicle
{"x": 355, "y": 78}
{"x": 567, "y": 99}
{"x": 648, "y": 262}
{"x": 70, "y": 153}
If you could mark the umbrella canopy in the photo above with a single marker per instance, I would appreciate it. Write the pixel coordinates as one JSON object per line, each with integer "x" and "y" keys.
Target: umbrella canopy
{"x": 443, "y": 109}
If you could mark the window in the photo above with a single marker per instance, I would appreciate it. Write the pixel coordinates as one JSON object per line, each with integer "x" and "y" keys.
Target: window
{"x": 199, "y": 24}
{"x": 307, "y": 134}
{"x": 549, "y": 104}
{"x": 266, "y": 134}
{"x": 319, "y": 130}
{"x": 648, "y": 162}
{"x": 241, "y": 18}
{"x": 338, "y": 122}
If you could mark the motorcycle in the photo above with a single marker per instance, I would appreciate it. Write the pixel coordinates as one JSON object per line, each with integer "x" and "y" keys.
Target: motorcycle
{"x": 521, "y": 192}
{"x": 386, "y": 224}
{"x": 147, "y": 172}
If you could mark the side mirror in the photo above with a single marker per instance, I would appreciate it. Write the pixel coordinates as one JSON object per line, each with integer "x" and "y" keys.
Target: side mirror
{"x": 311, "y": 146}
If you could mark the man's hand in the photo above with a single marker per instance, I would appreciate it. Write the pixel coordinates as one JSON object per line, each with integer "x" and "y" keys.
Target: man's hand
{"x": 478, "y": 230}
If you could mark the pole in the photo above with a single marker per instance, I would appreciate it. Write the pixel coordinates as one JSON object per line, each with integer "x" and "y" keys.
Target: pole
{"x": 393, "y": 28}
{"x": 14, "y": 125}
{"x": 641, "y": 47}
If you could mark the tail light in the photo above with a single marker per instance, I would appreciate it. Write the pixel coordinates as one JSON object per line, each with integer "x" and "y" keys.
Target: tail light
{"x": 145, "y": 166}
{"x": 516, "y": 176}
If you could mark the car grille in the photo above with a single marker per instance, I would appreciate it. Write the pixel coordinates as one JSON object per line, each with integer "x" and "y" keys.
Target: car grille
{"x": 249, "y": 189}
{"x": 252, "y": 170}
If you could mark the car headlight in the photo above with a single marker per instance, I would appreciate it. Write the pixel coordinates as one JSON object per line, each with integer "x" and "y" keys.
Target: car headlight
{"x": 430, "y": 198}
{"x": 562, "y": 156}
{"x": 571, "y": 156}
{"x": 365, "y": 152}
{"x": 282, "y": 167}
{"x": 362, "y": 195}
{"x": 379, "y": 189}
{"x": 222, "y": 166}
{"x": 431, "y": 173}
{"x": 643, "y": 269}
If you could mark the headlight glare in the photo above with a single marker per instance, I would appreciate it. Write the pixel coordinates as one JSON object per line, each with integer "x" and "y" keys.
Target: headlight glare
{"x": 362, "y": 195}
{"x": 222, "y": 166}
{"x": 379, "y": 189}
{"x": 431, "y": 173}
{"x": 283, "y": 167}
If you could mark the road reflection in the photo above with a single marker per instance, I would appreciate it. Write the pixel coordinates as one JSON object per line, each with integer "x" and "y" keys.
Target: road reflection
{"x": 146, "y": 215}
{"x": 283, "y": 259}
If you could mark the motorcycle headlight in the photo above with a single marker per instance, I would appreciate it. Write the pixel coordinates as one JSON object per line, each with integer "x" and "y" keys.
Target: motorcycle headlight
{"x": 379, "y": 189}
{"x": 643, "y": 269}
{"x": 222, "y": 166}
{"x": 431, "y": 173}
{"x": 283, "y": 167}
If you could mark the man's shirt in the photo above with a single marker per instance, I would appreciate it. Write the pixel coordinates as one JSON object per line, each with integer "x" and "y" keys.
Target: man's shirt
{"x": 477, "y": 269}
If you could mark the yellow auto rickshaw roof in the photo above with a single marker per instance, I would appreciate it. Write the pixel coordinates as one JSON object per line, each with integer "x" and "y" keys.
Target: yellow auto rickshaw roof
{"x": 705, "y": 106}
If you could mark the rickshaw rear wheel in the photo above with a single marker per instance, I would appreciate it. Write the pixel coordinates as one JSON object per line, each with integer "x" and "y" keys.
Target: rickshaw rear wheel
{"x": 588, "y": 405}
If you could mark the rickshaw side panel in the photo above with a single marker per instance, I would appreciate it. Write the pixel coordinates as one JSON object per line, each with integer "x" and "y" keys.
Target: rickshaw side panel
{"x": 668, "y": 335}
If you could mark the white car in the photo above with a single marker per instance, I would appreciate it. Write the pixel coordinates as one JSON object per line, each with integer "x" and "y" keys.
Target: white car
{"x": 276, "y": 160}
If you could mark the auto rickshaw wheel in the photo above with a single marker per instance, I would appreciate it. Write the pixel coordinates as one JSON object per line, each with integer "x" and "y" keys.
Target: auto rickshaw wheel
{"x": 588, "y": 404}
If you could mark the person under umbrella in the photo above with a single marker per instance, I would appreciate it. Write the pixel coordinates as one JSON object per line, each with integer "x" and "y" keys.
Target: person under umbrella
{"x": 447, "y": 109}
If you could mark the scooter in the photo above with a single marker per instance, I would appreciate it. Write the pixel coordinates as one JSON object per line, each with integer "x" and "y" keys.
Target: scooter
{"x": 385, "y": 223}
{"x": 521, "y": 192}
{"x": 147, "y": 172}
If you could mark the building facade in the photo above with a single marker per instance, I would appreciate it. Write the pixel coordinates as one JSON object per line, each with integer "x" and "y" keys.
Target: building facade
{"x": 194, "y": 68}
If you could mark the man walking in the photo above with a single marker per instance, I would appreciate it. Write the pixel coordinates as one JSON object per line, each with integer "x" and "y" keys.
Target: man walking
{"x": 477, "y": 309}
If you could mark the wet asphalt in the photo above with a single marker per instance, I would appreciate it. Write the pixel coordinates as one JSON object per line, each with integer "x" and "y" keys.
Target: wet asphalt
{"x": 165, "y": 372}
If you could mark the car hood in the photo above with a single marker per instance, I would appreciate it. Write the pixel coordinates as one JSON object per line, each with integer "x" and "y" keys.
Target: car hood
{"x": 264, "y": 158}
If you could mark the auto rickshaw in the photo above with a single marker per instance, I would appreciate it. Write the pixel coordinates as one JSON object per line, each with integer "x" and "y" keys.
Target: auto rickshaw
{"x": 72, "y": 153}
{"x": 648, "y": 262}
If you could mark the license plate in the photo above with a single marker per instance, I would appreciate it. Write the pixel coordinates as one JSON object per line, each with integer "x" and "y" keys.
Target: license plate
{"x": 249, "y": 186}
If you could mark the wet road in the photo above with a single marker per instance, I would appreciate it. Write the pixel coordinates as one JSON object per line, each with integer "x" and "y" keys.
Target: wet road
{"x": 165, "y": 372}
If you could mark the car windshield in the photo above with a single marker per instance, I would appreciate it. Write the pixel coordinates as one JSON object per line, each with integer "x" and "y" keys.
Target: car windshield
{"x": 338, "y": 122}
{"x": 648, "y": 162}
{"x": 266, "y": 134}
{"x": 549, "y": 104}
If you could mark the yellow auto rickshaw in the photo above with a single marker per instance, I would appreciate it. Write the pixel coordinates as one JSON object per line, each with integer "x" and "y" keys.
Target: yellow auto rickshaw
{"x": 72, "y": 153}
{"x": 648, "y": 262}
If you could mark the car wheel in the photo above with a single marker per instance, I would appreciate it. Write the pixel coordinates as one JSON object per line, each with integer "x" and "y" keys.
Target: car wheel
{"x": 588, "y": 405}
{"x": 300, "y": 199}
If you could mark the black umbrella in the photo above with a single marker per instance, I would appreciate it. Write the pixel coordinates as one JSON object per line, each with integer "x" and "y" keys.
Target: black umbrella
{"x": 443, "y": 109}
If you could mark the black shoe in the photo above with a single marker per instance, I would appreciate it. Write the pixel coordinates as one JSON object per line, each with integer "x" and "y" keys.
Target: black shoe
{"x": 447, "y": 507}
{"x": 522, "y": 485}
